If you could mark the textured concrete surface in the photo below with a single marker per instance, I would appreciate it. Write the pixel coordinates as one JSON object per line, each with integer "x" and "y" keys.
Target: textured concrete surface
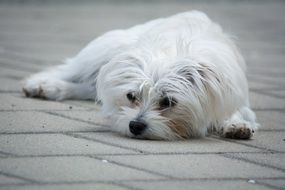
{"x": 65, "y": 145}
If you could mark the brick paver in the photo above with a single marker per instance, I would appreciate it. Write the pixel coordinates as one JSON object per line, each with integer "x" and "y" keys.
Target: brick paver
{"x": 65, "y": 145}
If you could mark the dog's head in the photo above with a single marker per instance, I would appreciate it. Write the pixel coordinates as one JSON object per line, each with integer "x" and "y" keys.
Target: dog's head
{"x": 173, "y": 100}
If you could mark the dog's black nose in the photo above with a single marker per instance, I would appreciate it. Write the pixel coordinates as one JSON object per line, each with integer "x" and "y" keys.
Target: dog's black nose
{"x": 137, "y": 127}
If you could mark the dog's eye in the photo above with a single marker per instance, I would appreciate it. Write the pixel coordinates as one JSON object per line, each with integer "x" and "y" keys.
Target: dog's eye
{"x": 167, "y": 102}
{"x": 131, "y": 96}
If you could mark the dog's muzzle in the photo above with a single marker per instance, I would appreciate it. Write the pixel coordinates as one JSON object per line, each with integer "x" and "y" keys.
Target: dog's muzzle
{"x": 137, "y": 127}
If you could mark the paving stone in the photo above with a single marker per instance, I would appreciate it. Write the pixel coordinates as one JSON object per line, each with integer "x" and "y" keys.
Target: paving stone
{"x": 16, "y": 44}
{"x": 272, "y": 71}
{"x": 259, "y": 101}
{"x": 278, "y": 93}
{"x": 193, "y": 145}
{"x": 260, "y": 46}
{"x": 197, "y": 185}
{"x": 268, "y": 140}
{"x": 255, "y": 60}
{"x": 253, "y": 85}
{"x": 9, "y": 180}
{"x": 94, "y": 116}
{"x": 19, "y": 65}
{"x": 3, "y": 155}
{"x": 270, "y": 120}
{"x": 70, "y": 169}
{"x": 54, "y": 144}
{"x": 87, "y": 104}
{"x": 33, "y": 122}
{"x": 197, "y": 166}
{"x": 29, "y": 60}
{"x": 95, "y": 186}
{"x": 268, "y": 79}
{"x": 19, "y": 102}
{"x": 14, "y": 73}
{"x": 8, "y": 85}
{"x": 279, "y": 183}
{"x": 275, "y": 160}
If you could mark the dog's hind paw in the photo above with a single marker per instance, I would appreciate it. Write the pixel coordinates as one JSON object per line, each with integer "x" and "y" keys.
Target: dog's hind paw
{"x": 238, "y": 131}
{"x": 45, "y": 88}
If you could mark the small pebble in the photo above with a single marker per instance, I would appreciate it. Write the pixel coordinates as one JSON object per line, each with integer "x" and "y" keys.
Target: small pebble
{"x": 251, "y": 181}
{"x": 105, "y": 161}
{"x": 70, "y": 107}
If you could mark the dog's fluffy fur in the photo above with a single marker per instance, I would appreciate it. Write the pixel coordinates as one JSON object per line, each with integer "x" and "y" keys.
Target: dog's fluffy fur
{"x": 176, "y": 77}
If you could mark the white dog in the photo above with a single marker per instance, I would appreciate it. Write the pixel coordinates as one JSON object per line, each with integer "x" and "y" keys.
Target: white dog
{"x": 170, "y": 78}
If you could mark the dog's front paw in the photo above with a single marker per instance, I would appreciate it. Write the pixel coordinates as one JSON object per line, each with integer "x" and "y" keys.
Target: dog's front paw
{"x": 45, "y": 88}
{"x": 238, "y": 131}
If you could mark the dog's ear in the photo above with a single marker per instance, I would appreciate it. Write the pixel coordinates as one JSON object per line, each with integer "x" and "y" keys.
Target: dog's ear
{"x": 199, "y": 74}
{"x": 208, "y": 73}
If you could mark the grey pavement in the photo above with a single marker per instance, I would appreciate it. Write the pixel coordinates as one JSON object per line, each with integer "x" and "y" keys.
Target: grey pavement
{"x": 65, "y": 145}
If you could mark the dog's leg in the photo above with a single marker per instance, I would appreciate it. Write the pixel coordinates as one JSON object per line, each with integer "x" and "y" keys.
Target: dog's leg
{"x": 56, "y": 89}
{"x": 241, "y": 125}
{"x": 57, "y": 84}
{"x": 76, "y": 79}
